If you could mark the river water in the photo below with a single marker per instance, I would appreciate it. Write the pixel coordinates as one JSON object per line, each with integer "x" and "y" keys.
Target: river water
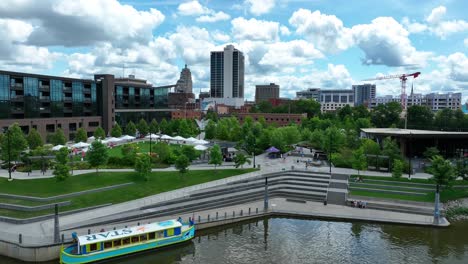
{"x": 283, "y": 240}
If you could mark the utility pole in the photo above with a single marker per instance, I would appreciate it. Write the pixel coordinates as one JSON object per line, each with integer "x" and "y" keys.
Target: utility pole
{"x": 265, "y": 201}
{"x": 329, "y": 153}
{"x": 9, "y": 155}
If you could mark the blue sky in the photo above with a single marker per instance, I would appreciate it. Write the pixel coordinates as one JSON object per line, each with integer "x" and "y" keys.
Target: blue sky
{"x": 297, "y": 44}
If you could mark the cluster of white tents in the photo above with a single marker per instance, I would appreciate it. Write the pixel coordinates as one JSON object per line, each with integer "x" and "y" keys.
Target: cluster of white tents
{"x": 198, "y": 143}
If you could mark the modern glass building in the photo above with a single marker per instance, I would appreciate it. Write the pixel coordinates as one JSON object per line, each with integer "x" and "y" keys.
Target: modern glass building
{"x": 47, "y": 103}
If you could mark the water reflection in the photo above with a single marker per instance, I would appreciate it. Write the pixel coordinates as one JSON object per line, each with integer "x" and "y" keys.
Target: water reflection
{"x": 281, "y": 240}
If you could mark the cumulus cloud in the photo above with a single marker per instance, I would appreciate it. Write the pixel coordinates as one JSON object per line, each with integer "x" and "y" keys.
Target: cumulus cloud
{"x": 192, "y": 8}
{"x": 219, "y": 16}
{"x": 386, "y": 42}
{"x": 193, "y": 43}
{"x": 325, "y": 31}
{"x": 259, "y": 7}
{"x": 290, "y": 54}
{"x": 465, "y": 41}
{"x": 81, "y": 22}
{"x": 254, "y": 29}
{"x": 285, "y": 31}
{"x": 436, "y": 24}
{"x": 220, "y": 36}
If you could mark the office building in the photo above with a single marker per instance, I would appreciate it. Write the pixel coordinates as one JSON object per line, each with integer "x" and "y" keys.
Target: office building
{"x": 227, "y": 76}
{"x": 311, "y": 93}
{"x": 332, "y": 100}
{"x": 47, "y": 103}
{"x": 364, "y": 94}
{"x": 184, "y": 84}
{"x": 433, "y": 100}
{"x": 266, "y": 92}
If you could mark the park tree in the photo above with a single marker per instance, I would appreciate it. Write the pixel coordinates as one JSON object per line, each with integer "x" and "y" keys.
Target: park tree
{"x": 99, "y": 133}
{"x": 58, "y": 138}
{"x": 262, "y": 121}
{"x": 316, "y": 138}
{"x": 13, "y": 142}
{"x": 190, "y": 152}
{"x": 81, "y": 135}
{"x": 397, "y": 170}
{"x": 240, "y": 159}
{"x": 182, "y": 162}
{"x": 461, "y": 168}
{"x": 386, "y": 115}
{"x": 359, "y": 162}
{"x": 309, "y": 106}
{"x": 165, "y": 127}
{"x": 184, "y": 128}
{"x": 130, "y": 129}
{"x": 291, "y": 134}
{"x": 216, "y": 158}
{"x": 277, "y": 140}
{"x": 362, "y": 123}
{"x": 345, "y": 112}
{"x": 164, "y": 152}
{"x": 34, "y": 139}
{"x": 211, "y": 115}
{"x": 129, "y": 153}
{"x": 370, "y": 147}
{"x": 431, "y": 152}
{"x": 445, "y": 119}
{"x": 154, "y": 126}
{"x": 61, "y": 170}
{"x": 420, "y": 117}
{"x": 97, "y": 155}
{"x": 361, "y": 111}
{"x": 222, "y": 130}
{"x": 116, "y": 131}
{"x": 143, "y": 166}
{"x": 390, "y": 149}
{"x": 443, "y": 173}
{"x": 142, "y": 127}
{"x": 210, "y": 130}
{"x": 174, "y": 125}
{"x": 332, "y": 140}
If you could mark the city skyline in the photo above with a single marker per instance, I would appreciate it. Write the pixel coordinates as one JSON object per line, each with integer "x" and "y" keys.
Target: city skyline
{"x": 295, "y": 44}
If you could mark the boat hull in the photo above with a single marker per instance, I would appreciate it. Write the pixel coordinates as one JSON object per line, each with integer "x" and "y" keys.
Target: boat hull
{"x": 66, "y": 257}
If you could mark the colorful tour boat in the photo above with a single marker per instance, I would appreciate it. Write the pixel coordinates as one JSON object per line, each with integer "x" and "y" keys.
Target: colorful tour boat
{"x": 105, "y": 245}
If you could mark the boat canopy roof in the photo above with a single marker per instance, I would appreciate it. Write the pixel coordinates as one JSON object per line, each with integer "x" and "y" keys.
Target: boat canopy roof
{"x": 126, "y": 232}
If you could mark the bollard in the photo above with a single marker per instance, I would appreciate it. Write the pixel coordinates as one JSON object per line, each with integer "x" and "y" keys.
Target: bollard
{"x": 20, "y": 238}
{"x": 216, "y": 215}
{"x": 89, "y": 231}
{"x": 125, "y": 226}
{"x": 225, "y": 215}
{"x": 114, "y": 227}
{"x": 63, "y": 238}
{"x": 138, "y": 223}
{"x": 249, "y": 210}
{"x": 233, "y": 213}
{"x": 208, "y": 218}
{"x": 241, "y": 212}
{"x": 256, "y": 210}
{"x": 199, "y": 219}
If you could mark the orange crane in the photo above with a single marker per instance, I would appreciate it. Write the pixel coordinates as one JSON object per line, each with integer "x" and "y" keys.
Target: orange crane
{"x": 403, "y": 78}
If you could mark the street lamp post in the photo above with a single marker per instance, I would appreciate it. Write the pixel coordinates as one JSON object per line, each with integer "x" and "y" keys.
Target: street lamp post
{"x": 150, "y": 139}
{"x": 9, "y": 154}
{"x": 329, "y": 153}
{"x": 409, "y": 154}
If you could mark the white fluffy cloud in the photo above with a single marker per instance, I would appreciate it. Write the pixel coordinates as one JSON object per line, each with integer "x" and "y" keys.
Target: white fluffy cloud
{"x": 290, "y": 54}
{"x": 220, "y": 36}
{"x": 259, "y": 7}
{"x": 325, "y": 31}
{"x": 254, "y": 29}
{"x": 193, "y": 44}
{"x": 386, "y": 42}
{"x": 436, "y": 24}
{"x": 215, "y": 17}
{"x": 192, "y": 8}
{"x": 81, "y": 22}
{"x": 285, "y": 31}
{"x": 465, "y": 41}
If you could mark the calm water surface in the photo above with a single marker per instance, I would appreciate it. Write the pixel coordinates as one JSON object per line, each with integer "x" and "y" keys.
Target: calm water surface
{"x": 281, "y": 240}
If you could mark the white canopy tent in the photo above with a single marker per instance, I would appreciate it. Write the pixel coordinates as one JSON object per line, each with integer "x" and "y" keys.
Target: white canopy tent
{"x": 92, "y": 138}
{"x": 58, "y": 147}
{"x": 200, "y": 147}
{"x": 178, "y": 138}
{"x": 127, "y": 138}
{"x": 166, "y": 137}
{"x": 200, "y": 142}
{"x": 81, "y": 145}
{"x": 191, "y": 139}
{"x": 152, "y": 136}
{"x": 113, "y": 140}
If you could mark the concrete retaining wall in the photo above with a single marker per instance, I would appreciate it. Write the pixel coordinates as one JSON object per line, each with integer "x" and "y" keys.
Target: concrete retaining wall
{"x": 31, "y": 254}
{"x": 26, "y": 208}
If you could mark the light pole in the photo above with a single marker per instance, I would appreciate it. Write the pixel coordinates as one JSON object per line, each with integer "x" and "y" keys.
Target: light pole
{"x": 409, "y": 154}
{"x": 150, "y": 138}
{"x": 9, "y": 154}
{"x": 329, "y": 152}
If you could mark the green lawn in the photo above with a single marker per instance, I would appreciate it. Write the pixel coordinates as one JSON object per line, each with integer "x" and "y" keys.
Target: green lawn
{"x": 143, "y": 146}
{"x": 158, "y": 182}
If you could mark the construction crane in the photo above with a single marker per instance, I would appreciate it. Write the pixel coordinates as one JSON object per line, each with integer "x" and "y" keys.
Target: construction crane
{"x": 403, "y": 78}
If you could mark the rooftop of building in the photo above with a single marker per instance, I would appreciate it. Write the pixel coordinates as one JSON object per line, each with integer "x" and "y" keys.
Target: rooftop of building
{"x": 42, "y": 76}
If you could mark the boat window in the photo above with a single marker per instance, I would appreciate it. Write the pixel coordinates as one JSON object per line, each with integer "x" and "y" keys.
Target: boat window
{"x": 152, "y": 235}
{"x": 135, "y": 239}
{"x": 117, "y": 243}
{"x": 170, "y": 232}
{"x": 143, "y": 237}
{"x": 126, "y": 241}
{"x": 160, "y": 234}
{"x": 107, "y": 244}
{"x": 93, "y": 247}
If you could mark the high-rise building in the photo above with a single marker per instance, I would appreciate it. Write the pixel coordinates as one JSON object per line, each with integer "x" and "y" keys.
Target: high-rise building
{"x": 434, "y": 101}
{"x": 266, "y": 92}
{"x": 311, "y": 93}
{"x": 227, "y": 76}
{"x": 184, "y": 84}
{"x": 364, "y": 94}
{"x": 47, "y": 103}
{"x": 333, "y": 99}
